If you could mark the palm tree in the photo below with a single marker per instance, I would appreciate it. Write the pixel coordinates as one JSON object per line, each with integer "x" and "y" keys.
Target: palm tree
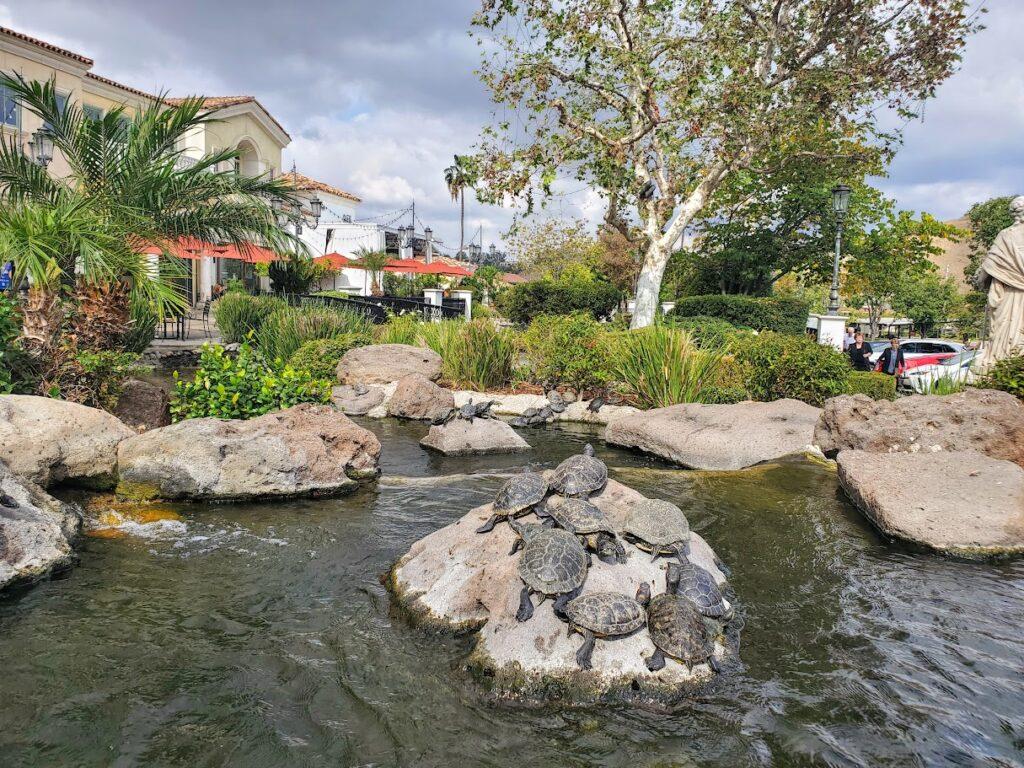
{"x": 374, "y": 263}
{"x": 457, "y": 177}
{"x": 126, "y": 180}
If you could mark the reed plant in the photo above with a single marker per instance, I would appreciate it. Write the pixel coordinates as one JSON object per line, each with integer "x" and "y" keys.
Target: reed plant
{"x": 288, "y": 328}
{"x": 239, "y": 314}
{"x": 399, "y": 329}
{"x": 476, "y": 355}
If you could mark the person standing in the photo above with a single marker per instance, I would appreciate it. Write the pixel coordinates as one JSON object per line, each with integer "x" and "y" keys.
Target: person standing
{"x": 892, "y": 361}
{"x": 849, "y": 338}
{"x": 859, "y": 353}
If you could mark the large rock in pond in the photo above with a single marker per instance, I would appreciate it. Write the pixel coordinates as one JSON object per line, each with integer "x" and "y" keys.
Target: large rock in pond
{"x": 417, "y": 397}
{"x": 306, "y": 450}
{"x": 52, "y": 441}
{"x": 976, "y": 419}
{"x": 383, "y": 363}
{"x": 458, "y": 579}
{"x": 718, "y": 436}
{"x": 36, "y": 531}
{"x": 356, "y": 400}
{"x": 959, "y": 502}
{"x": 143, "y": 406}
{"x": 460, "y": 437}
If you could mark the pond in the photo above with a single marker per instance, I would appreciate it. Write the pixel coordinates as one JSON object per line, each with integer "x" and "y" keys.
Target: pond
{"x": 260, "y": 635}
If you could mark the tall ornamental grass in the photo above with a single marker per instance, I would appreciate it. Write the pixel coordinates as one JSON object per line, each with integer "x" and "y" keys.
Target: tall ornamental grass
{"x": 399, "y": 329}
{"x": 660, "y": 366}
{"x": 288, "y": 328}
{"x": 238, "y": 314}
{"x": 476, "y": 355}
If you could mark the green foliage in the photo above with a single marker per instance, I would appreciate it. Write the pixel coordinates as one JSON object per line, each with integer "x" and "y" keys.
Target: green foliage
{"x": 97, "y": 378}
{"x": 288, "y": 328}
{"x": 239, "y": 314}
{"x": 987, "y": 220}
{"x": 565, "y": 296}
{"x": 296, "y": 274}
{"x": 661, "y": 365}
{"x": 475, "y": 355}
{"x": 400, "y": 329}
{"x": 945, "y": 386}
{"x": 243, "y": 387}
{"x": 568, "y": 349}
{"x": 237, "y": 285}
{"x": 783, "y": 315}
{"x": 396, "y": 284}
{"x": 779, "y": 365}
{"x": 11, "y": 355}
{"x": 1006, "y": 375}
{"x": 877, "y": 386}
{"x": 320, "y": 357}
{"x": 144, "y": 319}
{"x": 928, "y": 299}
{"x": 705, "y": 331}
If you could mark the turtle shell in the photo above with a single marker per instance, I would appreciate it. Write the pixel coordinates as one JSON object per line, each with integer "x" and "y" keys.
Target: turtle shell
{"x": 578, "y": 516}
{"x": 700, "y": 587}
{"x": 657, "y": 523}
{"x": 519, "y": 493}
{"x": 579, "y": 474}
{"x": 606, "y": 613}
{"x": 678, "y": 629}
{"x": 552, "y": 562}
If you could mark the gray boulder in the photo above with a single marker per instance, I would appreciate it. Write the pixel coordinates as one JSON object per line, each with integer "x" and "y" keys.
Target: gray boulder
{"x": 306, "y": 450}
{"x": 480, "y": 436}
{"x": 356, "y": 401}
{"x": 718, "y": 436}
{"x": 52, "y": 441}
{"x": 383, "y": 363}
{"x": 977, "y": 419}
{"x": 143, "y": 406}
{"x": 36, "y": 531}
{"x": 417, "y": 397}
{"x": 959, "y": 502}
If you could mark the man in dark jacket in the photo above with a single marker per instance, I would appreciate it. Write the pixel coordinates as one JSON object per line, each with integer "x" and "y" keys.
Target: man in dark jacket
{"x": 860, "y": 354}
{"x": 892, "y": 361}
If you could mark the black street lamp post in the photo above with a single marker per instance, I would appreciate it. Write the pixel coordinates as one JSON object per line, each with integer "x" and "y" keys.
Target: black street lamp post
{"x": 840, "y": 205}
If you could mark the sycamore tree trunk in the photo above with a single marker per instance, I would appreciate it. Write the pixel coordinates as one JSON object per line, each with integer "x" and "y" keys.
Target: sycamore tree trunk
{"x": 648, "y": 284}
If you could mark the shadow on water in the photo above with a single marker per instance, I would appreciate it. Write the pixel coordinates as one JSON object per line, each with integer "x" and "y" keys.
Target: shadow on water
{"x": 260, "y": 635}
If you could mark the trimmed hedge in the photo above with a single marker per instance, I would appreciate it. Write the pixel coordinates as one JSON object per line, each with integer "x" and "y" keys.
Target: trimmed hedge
{"x": 522, "y": 303}
{"x": 707, "y": 332}
{"x": 877, "y": 386}
{"x": 759, "y": 313}
{"x": 320, "y": 356}
{"x": 778, "y": 365}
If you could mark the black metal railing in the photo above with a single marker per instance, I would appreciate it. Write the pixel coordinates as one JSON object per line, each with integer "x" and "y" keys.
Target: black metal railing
{"x": 378, "y": 309}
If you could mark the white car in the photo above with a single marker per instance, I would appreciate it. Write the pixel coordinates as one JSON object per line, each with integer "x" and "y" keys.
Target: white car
{"x": 955, "y": 370}
{"x": 915, "y": 348}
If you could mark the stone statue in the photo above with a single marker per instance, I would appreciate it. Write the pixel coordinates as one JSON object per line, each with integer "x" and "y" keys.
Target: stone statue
{"x": 1002, "y": 273}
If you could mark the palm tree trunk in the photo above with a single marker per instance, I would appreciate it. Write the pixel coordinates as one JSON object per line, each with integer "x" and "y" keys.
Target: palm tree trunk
{"x": 462, "y": 220}
{"x": 41, "y": 319}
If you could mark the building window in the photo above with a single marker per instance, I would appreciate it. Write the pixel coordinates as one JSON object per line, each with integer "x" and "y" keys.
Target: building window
{"x": 92, "y": 112}
{"x": 62, "y": 104}
{"x": 10, "y": 112}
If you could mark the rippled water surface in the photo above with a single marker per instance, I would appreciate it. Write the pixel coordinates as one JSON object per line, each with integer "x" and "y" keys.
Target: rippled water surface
{"x": 260, "y": 635}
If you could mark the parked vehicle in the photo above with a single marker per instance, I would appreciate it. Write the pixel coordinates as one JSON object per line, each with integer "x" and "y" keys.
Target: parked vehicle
{"x": 917, "y": 348}
{"x": 923, "y": 372}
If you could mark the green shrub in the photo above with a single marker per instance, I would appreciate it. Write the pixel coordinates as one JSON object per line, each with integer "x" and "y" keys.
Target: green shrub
{"x": 1006, "y": 375}
{"x": 479, "y": 356}
{"x": 522, "y": 303}
{"x": 244, "y": 386}
{"x": 288, "y": 328}
{"x": 573, "y": 350}
{"x": 400, "y": 329}
{"x": 660, "y": 366}
{"x": 440, "y": 336}
{"x": 783, "y": 315}
{"x": 143, "y": 328}
{"x": 781, "y": 365}
{"x": 877, "y": 386}
{"x": 707, "y": 332}
{"x": 239, "y": 314}
{"x": 320, "y": 357}
{"x": 10, "y": 330}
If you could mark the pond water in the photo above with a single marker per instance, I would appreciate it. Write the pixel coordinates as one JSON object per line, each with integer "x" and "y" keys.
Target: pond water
{"x": 260, "y": 635}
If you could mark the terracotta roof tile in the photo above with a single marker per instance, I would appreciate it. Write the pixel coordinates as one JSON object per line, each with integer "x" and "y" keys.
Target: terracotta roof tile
{"x": 47, "y": 46}
{"x": 302, "y": 182}
{"x": 220, "y": 102}
{"x": 115, "y": 84}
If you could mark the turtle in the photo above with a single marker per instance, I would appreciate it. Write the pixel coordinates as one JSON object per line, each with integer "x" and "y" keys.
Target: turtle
{"x": 658, "y": 527}
{"x": 589, "y": 523}
{"x": 529, "y": 413}
{"x": 595, "y": 405}
{"x": 700, "y": 588}
{"x": 553, "y": 564}
{"x": 359, "y": 389}
{"x": 542, "y": 416}
{"x": 516, "y": 496}
{"x": 519, "y": 422}
{"x": 678, "y": 630}
{"x": 556, "y": 402}
{"x": 468, "y": 412}
{"x": 605, "y": 614}
{"x": 580, "y": 475}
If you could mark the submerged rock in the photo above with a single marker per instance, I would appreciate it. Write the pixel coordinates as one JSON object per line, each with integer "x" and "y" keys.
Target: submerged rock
{"x": 460, "y": 437}
{"x": 143, "y": 406}
{"x": 458, "y": 579}
{"x": 959, "y": 502}
{"x": 36, "y": 531}
{"x": 976, "y": 419}
{"x": 306, "y": 450}
{"x": 718, "y": 436}
{"x": 417, "y": 397}
{"x": 52, "y": 441}
{"x": 383, "y": 363}
{"x": 356, "y": 400}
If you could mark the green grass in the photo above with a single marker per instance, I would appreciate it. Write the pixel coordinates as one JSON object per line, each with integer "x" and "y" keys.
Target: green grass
{"x": 287, "y": 329}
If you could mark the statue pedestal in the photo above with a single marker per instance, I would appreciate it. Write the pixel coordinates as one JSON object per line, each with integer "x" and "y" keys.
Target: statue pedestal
{"x": 831, "y": 330}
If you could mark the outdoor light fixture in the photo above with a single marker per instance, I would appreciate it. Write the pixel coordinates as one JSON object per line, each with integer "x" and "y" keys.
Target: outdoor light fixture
{"x": 316, "y": 207}
{"x": 841, "y": 206}
{"x": 41, "y": 147}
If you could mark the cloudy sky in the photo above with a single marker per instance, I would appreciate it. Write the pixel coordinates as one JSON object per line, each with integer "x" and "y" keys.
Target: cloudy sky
{"x": 379, "y": 94}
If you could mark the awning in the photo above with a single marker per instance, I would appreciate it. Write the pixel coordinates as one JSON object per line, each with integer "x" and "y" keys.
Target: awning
{"x": 336, "y": 260}
{"x": 193, "y": 248}
{"x": 440, "y": 268}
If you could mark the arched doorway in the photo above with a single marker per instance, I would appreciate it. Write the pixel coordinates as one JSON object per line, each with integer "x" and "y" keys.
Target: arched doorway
{"x": 248, "y": 162}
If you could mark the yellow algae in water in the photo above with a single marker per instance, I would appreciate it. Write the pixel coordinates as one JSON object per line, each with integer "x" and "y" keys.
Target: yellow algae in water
{"x": 110, "y": 518}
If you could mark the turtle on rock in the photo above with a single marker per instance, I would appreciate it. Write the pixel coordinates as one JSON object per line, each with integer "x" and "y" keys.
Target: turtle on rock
{"x": 678, "y": 630}
{"x": 605, "y": 614}
{"x": 658, "y": 527}
{"x": 468, "y": 412}
{"x": 589, "y": 523}
{"x": 553, "y": 564}
{"x": 556, "y": 402}
{"x": 580, "y": 475}
{"x": 700, "y": 588}
{"x": 517, "y": 496}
